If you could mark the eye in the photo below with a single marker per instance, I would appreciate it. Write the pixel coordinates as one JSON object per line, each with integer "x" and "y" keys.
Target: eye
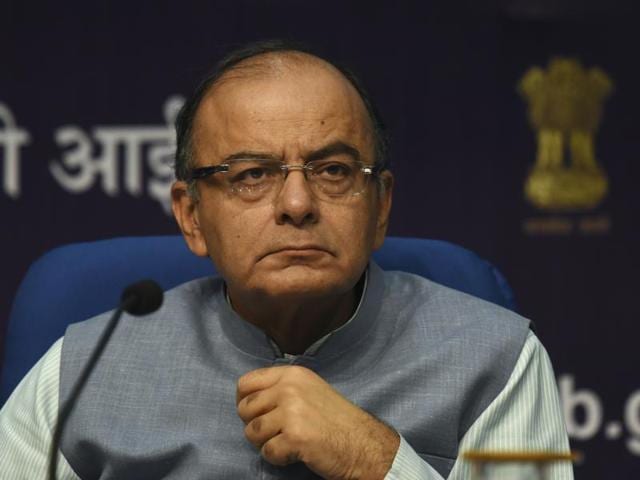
{"x": 333, "y": 170}
{"x": 252, "y": 173}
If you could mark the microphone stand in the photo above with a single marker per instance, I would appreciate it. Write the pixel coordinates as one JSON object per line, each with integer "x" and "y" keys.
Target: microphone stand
{"x": 64, "y": 412}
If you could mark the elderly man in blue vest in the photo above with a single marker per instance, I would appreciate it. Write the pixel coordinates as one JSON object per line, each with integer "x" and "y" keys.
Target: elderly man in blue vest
{"x": 304, "y": 360}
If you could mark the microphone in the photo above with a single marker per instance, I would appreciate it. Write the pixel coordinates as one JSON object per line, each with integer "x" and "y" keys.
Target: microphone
{"x": 140, "y": 298}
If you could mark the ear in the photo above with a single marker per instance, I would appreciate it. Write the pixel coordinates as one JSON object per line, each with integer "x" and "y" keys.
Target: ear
{"x": 185, "y": 210}
{"x": 385, "y": 194}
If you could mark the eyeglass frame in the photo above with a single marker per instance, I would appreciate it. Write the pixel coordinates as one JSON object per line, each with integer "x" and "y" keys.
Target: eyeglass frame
{"x": 206, "y": 171}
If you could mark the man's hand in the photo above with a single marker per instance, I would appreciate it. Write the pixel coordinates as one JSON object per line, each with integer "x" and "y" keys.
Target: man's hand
{"x": 293, "y": 415}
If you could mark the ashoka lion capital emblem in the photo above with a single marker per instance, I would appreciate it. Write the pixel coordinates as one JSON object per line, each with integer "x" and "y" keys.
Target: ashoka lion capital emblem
{"x": 565, "y": 108}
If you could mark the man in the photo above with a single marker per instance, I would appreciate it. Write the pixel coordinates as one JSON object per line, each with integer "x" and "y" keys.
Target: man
{"x": 307, "y": 360}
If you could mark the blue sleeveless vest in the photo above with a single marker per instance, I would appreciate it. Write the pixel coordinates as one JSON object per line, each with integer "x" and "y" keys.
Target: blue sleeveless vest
{"x": 425, "y": 359}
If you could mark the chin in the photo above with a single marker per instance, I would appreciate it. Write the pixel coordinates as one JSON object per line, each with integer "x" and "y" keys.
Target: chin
{"x": 297, "y": 281}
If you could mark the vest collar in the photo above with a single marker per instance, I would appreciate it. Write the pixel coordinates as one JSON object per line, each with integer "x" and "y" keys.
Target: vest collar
{"x": 253, "y": 341}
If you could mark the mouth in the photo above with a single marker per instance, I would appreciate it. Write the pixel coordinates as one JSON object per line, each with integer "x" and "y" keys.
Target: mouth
{"x": 307, "y": 250}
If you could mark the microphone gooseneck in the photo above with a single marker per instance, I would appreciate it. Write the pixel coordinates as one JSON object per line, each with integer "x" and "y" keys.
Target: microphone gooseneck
{"x": 140, "y": 298}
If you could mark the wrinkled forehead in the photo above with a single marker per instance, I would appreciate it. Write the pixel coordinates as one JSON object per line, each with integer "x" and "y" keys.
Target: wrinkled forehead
{"x": 297, "y": 99}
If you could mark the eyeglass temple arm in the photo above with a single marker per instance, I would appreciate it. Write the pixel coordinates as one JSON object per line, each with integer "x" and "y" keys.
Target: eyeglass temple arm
{"x": 203, "y": 172}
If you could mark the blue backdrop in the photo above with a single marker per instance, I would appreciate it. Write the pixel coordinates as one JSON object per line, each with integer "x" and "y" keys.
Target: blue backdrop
{"x": 88, "y": 91}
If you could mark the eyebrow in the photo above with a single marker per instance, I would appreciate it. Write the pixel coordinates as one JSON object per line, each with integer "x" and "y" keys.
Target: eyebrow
{"x": 251, "y": 156}
{"x": 335, "y": 148}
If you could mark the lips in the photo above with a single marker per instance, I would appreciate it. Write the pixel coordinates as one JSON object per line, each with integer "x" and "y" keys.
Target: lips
{"x": 308, "y": 248}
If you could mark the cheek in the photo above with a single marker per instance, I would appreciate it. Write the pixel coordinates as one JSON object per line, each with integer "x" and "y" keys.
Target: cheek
{"x": 355, "y": 230}
{"x": 233, "y": 235}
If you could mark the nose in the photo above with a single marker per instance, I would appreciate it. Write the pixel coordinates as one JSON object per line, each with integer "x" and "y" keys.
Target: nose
{"x": 296, "y": 204}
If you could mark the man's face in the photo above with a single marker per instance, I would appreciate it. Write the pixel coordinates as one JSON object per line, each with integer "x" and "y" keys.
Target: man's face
{"x": 295, "y": 246}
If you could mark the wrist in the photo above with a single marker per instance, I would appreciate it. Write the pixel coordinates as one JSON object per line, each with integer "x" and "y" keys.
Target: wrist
{"x": 380, "y": 445}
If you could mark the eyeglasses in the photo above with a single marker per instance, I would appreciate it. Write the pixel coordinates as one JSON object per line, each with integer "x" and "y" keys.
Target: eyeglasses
{"x": 255, "y": 180}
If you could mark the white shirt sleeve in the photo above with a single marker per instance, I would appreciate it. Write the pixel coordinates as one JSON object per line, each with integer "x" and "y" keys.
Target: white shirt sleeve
{"x": 525, "y": 416}
{"x": 407, "y": 465}
{"x": 27, "y": 421}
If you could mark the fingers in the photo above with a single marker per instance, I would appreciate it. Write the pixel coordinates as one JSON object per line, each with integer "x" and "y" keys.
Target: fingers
{"x": 279, "y": 451}
{"x": 276, "y": 404}
{"x": 276, "y": 446}
{"x": 256, "y": 380}
{"x": 256, "y": 404}
{"x": 263, "y": 428}
{"x": 264, "y": 378}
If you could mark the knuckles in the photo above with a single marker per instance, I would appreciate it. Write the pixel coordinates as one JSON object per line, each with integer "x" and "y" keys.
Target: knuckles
{"x": 244, "y": 415}
{"x": 252, "y": 432}
{"x": 244, "y": 406}
{"x": 251, "y": 397}
{"x": 298, "y": 373}
{"x": 242, "y": 387}
{"x": 290, "y": 374}
{"x": 295, "y": 394}
{"x": 256, "y": 425}
{"x": 268, "y": 452}
{"x": 289, "y": 391}
{"x": 295, "y": 409}
{"x": 295, "y": 434}
{"x": 277, "y": 455}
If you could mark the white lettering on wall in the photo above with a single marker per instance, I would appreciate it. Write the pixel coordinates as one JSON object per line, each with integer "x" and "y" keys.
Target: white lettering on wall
{"x": 632, "y": 420}
{"x": 11, "y": 140}
{"x": 97, "y": 157}
{"x": 583, "y": 415}
{"x": 573, "y": 399}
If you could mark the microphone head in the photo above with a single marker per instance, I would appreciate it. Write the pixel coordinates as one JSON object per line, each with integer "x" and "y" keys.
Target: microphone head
{"x": 142, "y": 298}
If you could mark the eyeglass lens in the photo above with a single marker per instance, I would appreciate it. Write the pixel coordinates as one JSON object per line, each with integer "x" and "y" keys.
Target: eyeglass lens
{"x": 332, "y": 180}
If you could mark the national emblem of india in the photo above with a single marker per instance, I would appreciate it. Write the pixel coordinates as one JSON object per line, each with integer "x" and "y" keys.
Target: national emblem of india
{"x": 565, "y": 109}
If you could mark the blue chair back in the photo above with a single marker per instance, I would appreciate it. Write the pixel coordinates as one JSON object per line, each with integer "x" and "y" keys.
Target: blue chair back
{"x": 75, "y": 282}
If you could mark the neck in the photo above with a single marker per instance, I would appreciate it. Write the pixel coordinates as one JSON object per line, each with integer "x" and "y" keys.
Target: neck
{"x": 296, "y": 325}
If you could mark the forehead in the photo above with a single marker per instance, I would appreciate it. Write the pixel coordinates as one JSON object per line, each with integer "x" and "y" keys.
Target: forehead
{"x": 284, "y": 109}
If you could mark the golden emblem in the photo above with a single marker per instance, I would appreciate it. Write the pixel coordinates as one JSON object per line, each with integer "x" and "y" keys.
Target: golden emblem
{"x": 565, "y": 108}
